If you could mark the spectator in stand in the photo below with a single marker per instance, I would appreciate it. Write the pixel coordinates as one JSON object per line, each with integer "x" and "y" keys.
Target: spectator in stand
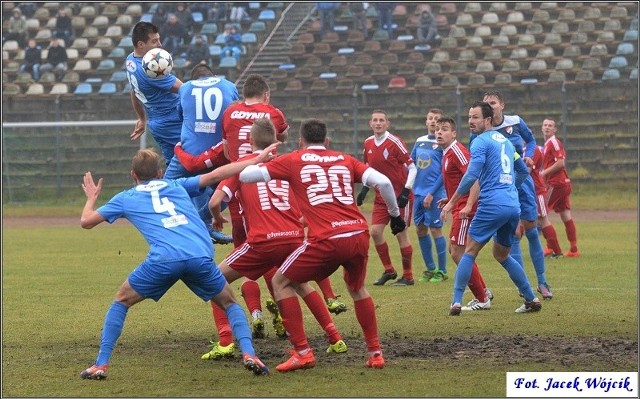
{"x": 385, "y": 16}
{"x": 238, "y": 12}
{"x": 64, "y": 29}
{"x": 183, "y": 13}
{"x": 28, "y": 9}
{"x": 327, "y": 10}
{"x": 427, "y": 31}
{"x": 555, "y": 174}
{"x": 217, "y": 12}
{"x": 232, "y": 43}
{"x": 173, "y": 32}
{"x": 32, "y": 59}
{"x": 359, "y": 11}
{"x": 198, "y": 53}
{"x": 17, "y": 28}
{"x": 56, "y": 59}
{"x": 159, "y": 18}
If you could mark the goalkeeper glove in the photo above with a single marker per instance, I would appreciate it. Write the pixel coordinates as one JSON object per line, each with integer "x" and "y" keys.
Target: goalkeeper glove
{"x": 403, "y": 198}
{"x": 362, "y": 195}
{"x": 397, "y": 224}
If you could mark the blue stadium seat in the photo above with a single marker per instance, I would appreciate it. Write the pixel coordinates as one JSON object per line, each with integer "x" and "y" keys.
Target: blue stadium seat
{"x": 146, "y": 18}
{"x": 83, "y": 89}
{"x": 197, "y": 17}
{"x": 117, "y": 53}
{"x": 215, "y": 50}
{"x": 118, "y": 76}
{"x": 220, "y": 39}
{"x": 630, "y": 36}
{"x": 209, "y": 29}
{"x": 106, "y": 65}
{"x": 228, "y": 62}
{"x": 267, "y": 15}
{"x": 249, "y": 38}
{"x": 257, "y": 26}
{"x": 108, "y": 88}
{"x": 618, "y": 62}
{"x": 625, "y": 49}
{"x": 611, "y": 74}
{"x": 287, "y": 66}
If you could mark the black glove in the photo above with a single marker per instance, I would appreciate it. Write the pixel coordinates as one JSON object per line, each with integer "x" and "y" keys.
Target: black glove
{"x": 397, "y": 224}
{"x": 362, "y": 195}
{"x": 403, "y": 198}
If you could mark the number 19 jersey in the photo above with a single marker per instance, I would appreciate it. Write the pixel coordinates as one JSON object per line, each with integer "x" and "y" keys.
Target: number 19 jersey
{"x": 322, "y": 181}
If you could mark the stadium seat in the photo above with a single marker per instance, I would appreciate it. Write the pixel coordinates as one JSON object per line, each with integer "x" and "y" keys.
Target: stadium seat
{"x": 526, "y": 40}
{"x": 397, "y": 46}
{"x": 545, "y": 52}
{"x": 407, "y": 70}
{"x": 114, "y": 32}
{"x": 473, "y": 7}
{"x": 197, "y": 17}
{"x": 380, "y": 35}
{"x": 572, "y": 51}
{"x": 548, "y": 5}
{"x": 592, "y": 13}
{"x": 313, "y": 61}
{"x": 43, "y": 36}
{"x": 508, "y": 30}
{"x": 415, "y": 58}
{"x": 82, "y": 66}
{"x": 515, "y": 17}
{"x": 328, "y": 75}
{"x": 519, "y": 53}
{"x": 249, "y": 38}
{"x": 108, "y": 88}
{"x": 500, "y": 41}
{"x": 389, "y": 59}
{"x": 124, "y": 21}
{"x": 560, "y": 28}
{"x": 476, "y": 79}
{"x": 564, "y": 64}
{"x": 209, "y": 29}
{"x": 537, "y": 65}
{"x": 59, "y": 89}
{"x": 618, "y": 62}
{"x": 331, "y": 37}
{"x": 482, "y": 31}
{"x": 147, "y": 17}
{"x": 47, "y": 78}
{"x": 379, "y": 71}
{"x": 552, "y": 39}
{"x": 474, "y": 42}
{"x": 363, "y": 59}
{"x": 83, "y": 89}
{"x": 135, "y": 10}
{"x": 90, "y": 32}
{"x": 303, "y": 73}
{"x": 493, "y": 54}
{"x": 423, "y": 83}
{"x": 257, "y": 26}
{"x": 534, "y": 29}
{"x": 118, "y": 76}
{"x": 611, "y": 74}
{"x": 338, "y": 62}
{"x": 293, "y": 85}
{"x": 93, "y": 54}
{"x": 104, "y": 43}
{"x": 215, "y": 50}
{"x": 11, "y": 89}
{"x": 464, "y": 19}
{"x": 633, "y": 75}
{"x": 498, "y": 7}
{"x": 449, "y": 81}
{"x": 449, "y": 43}
{"x": 440, "y": 56}
{"x": 625, "y": 49}
{"x": 578, "y": 38}
{"x": 397, "y": 82}
{"x": 459, "y": 68}
{"x": 457, "y": 32}
{"x": 511, "y": 66}
{"x": 484, "y": 67}
{"x": 618, "y": 12}
{"x": 591, "y": 63}
{"x": 117, "y": 53}
{"x": 321, "y": 48}
{"x": 267, "y": 15}
{"x": 502, "y": 79}
{"x": 87, "y": 11}
{"x": 540, "y": 16}
{"x": 346, "y": 50}
{"x": 126, "y": 43}
{"x": 467, "y": 55}
{"x": 71, "y": 78}
{"x": 584, "y": 76}
{"x": 345, "y": 85}
{"x": 11, "y": 46}
{"x": 106, "y": 64}
{"x": 100, "y": 21}
{"x": 355, "y": 38}
{"x": 556, "y": 76}
{"x": 612, "y": 25}
{"x": 432, "y": 68}
{"x": 489, "y": 18}
{"x": 586, "y": 26}
{"x": 319, "y": 85}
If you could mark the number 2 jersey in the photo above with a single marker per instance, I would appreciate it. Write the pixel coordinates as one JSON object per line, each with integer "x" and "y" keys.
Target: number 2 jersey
{"x": 165, "y": 216}
{"x": 322, "y": 181}
{"x": 268, "y": 210}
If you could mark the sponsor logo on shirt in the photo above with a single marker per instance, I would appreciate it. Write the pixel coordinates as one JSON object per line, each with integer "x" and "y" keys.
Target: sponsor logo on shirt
{"x": 276, "y": 234}
{"x": 205, "y": 127}
{"x": 153, "y": 185}
{"x": 307, "y": 157}
{"x": 339, "y": 223}
{"x": 249, "y": 115}
{"x": 131, "y": 66}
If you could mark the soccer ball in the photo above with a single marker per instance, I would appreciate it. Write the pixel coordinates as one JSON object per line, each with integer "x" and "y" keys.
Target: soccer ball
{"x": 157, "y": 63}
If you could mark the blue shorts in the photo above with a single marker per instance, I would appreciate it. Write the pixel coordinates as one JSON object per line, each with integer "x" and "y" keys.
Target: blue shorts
{"x": 495, "y": 219}
{"x": 527, "y": 198}
{"x": 166, "y": 134}
{"x": 201, "y": 275}
{"x": 429, "y": 217}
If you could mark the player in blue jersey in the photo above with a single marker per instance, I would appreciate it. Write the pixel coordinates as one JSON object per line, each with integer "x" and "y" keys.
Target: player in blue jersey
{"x": 154, "y": 100}
{"x": 492, "y": 165}
{"x": 516, "y": 130}
{"x": 428, "y": 190}
{"x": 203, "y": 100}
{"x": 180, "y": 248}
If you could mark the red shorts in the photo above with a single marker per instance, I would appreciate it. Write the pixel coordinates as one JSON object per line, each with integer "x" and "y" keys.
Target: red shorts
{"x": 542, "y": 206}
{"x": 380, "y": 214}
{"x": 253, "y": 261}
{"x": 459, "y": 231}
{"x": 560, "y": 198}
{"x": 316, "y": 260}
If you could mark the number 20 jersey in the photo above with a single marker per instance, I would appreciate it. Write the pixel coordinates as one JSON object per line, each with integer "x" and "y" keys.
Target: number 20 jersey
{"x": 322, "y": 181}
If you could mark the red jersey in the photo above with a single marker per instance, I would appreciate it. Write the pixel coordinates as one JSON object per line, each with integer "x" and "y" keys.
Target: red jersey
{"x": 322, "y": 181}
{"x": 266, "y": 209}
{"x": 554, "y": 150}
{"x": 389, "y": 157}
{"x": 538, "y": 181}
{"x": 455, "y": 161}
{"x": 237, "y": 121}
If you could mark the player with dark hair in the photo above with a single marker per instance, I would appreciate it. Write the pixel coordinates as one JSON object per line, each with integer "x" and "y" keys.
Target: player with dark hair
{"x": 322, "y": 182}
{"x": 428, "y": 190}
{"x": 274, "y": 230}
{"x": 180, "y": 248}
{"x": 514, "y": 128}
{"x": 555, "y": 174}
{"x": 387, "y": 153}
{"x": 455, "y": 161}
{"x": 154, "y": 100}
{"x": 498, "y": 213}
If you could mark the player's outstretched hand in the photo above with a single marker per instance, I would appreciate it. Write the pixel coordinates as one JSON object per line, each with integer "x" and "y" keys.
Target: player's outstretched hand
{"x": 362, "y": 195}
{"x": 91, "y": 190}
{"x": 267, "y": 154}
{"x": 397, "y": 224}
{"x": 403, "y": 198}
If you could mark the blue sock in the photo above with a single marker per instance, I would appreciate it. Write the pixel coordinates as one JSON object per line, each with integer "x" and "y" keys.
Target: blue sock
{"x": 519, "y": 278}
{"x": 425, "y": 248}
{"x": 111, "y": 330}
{"x": 537, "y": 254}
{"x": 461, "y": 279}
{"x": 441, "y": 249}
{"x": 516, "y": 252}
{"x": 240, "y": 328}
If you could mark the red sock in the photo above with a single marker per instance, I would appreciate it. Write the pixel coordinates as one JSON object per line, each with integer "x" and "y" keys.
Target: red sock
{"x": 366, "y": 315}
{"x": 550, "y": 235}
{"x": 325, "y": 287}
{"x": 476, "y": 284}
{"x": 572, "y": 235}
{"x": 383, "y": 253}
{"x": 319, "y": 310}
{"x": 407, "y": 253}
{"x": 222, "y": 325}
{"x": 251, "y": 293}
{"x": 292, "y": 319}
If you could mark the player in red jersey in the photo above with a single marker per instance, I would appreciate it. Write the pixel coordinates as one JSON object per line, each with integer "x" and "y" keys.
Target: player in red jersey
{"x": 555, "y": 174}
{"x": 455, "y": 160}
{"x": 322, "y": 181}
{"x": 274, "y": 230}
{"x": 387, "y": 153}
{"x": 548, "y": 231}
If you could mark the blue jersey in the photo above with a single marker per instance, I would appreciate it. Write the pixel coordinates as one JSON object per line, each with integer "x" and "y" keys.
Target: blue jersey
{"x": 516, "y": 130}
{"x": 202, "y": 103}
{"x": 160, "y": 104}
{"x": 492, "y": 158}
{"x": 163, "y": 213}
{"x": 427, "y": 156}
